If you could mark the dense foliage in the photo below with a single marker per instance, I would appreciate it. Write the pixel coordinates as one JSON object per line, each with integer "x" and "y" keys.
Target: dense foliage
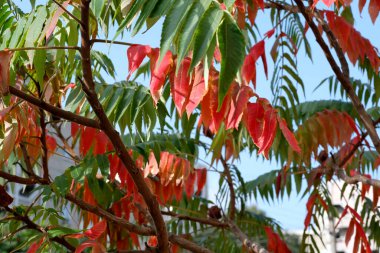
{"x": 134, "y": 175}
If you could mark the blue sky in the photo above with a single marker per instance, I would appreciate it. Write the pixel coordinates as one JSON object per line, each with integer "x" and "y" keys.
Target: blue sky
{"x": 290, "y": 212}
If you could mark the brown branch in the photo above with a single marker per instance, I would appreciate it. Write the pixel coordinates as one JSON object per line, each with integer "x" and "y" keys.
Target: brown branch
{"x": 344, "y": 80}
{"x": 247, "y": 243}
{"x": 30, "y": 224}
{"x": 356, "y": 178}
{"x": 334, "y": 43}
{"x": 212, "y": 222}
{"x": 227, "y": 173}
{"x": 54, "y": 110}
{"x": 88, "y": 87}
{"x": 42, "y": 48}
{"x": 189, "y": 245}
{"x": 67, "y": 147}
{"x": 110, "y": 217}
{"x": 21, "y": 180}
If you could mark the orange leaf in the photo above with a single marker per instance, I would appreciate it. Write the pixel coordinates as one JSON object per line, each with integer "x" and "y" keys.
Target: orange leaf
{"x": 152, "y": 166}
{"x": 289, "y": 136}
{"x": 5, "y": 61}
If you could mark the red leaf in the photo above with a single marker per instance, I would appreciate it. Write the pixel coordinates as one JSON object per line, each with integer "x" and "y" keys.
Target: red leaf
{"x": 97, "y": 230}
{"x": 159, "y": 73}
{"x": 275, "y": 243}
{"x": 350, "y": 231}
{"x": 96, "y": 247}
{"x": 5, "y": 61}
{"x": 252, "y": 13}
{"x": 198, "y": 90}
{"x": 51, "y": 144}
{"x": 136, "y": 54}
{"x": 254, "y": 121}
{"x": 35, "y": 246}
{"x": 328, "y": 3}
{"x": 74, "y": 128}
{"x": 87, "y": 139}
{"x": 54, "y": 20}
{"x": 181, "y": 88}
{"x": 238, "y": 104}
{"x": 269, "y": 131}
{"x": 152, "y": 241}
{"x": 373, "y": 9}
{"x": 189, "y": 185}
{"x": 261, "y": 4}
{"x": 289, "y": 136}
{"x": 201, "y": 179}
{"x": 249, "y": 65}
{"x": 269, "y": 33}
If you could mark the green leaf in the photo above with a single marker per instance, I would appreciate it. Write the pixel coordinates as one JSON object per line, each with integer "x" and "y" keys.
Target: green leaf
{"x": 136, "y": 7}
{"x": 232, "y": 49}
{"x": 189, "y": 25}
{"x": 205, "y": 32}
{"x": 39, "y": 64}
{"x": 97, "y": 7}
{"x": 171, "y": 24}
{"x": 62, "y": 183}
{"x": 36, "y": 28}
{"x": 145, "y": 12}
{"x": 228, "y": 3}
{"x": 161, "y": 8}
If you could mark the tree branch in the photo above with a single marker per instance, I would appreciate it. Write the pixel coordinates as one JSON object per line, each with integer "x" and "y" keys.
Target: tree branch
{"x": 53, "y": 109}
{"x": 88, "y": 87}
{"x": 111, "y": 42}
{"x": 21, "y": 180}
{"x": 110, "y": 217}
{"x": 232, "y": 205}
{"x": 189, "y": 245}
{"x": 212, "y": 222}
{"x": 42, "y": 48}
{"x": 344, "y": 80}
{"x": 251, "y": 246}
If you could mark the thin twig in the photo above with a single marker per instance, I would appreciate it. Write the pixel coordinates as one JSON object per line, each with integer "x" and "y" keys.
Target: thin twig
{"x": 68, "y": 13}
{"x": 42, "y": 48}
{"x": 111, "y": 42}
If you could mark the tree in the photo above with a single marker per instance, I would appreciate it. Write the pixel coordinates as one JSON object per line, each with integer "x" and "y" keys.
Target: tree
{"x": 135, "y": 150}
